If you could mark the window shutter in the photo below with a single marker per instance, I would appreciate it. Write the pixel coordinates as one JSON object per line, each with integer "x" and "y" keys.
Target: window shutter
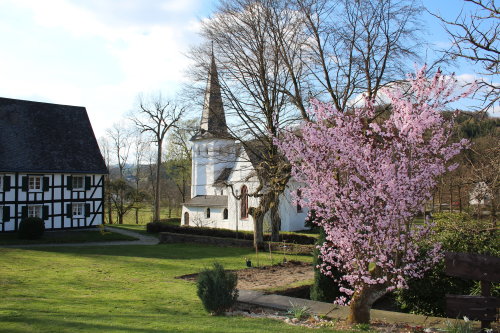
{"x": 24, "y": 212}
{"x": 6, "y": 183}
{"x": 45, "y": 185}
{"x": 24, "y": 184}
{"x": 87, "y": 183}
{"x": 87, "y": 210}
{"x": 45, "y": 213}
{"x": 6, "y": 213}
{"x": 69, "y": 211}
{"x": 69, "y": 182}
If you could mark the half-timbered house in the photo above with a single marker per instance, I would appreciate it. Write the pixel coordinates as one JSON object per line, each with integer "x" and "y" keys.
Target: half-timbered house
{"x": 50, "y": 166}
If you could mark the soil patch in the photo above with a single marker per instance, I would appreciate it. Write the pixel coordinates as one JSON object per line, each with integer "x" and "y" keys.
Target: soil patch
{"x": 269, "y": 277}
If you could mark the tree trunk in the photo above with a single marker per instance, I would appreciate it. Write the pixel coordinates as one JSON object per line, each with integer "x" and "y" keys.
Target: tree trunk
{"x": 362, "y": 301}
{"x": 156, "y": 215}
{"x": 120, "y": 218}
{"x": 258, "y": 226}
{"x": 136, "y": 215}
{"x": 275, "y": 221}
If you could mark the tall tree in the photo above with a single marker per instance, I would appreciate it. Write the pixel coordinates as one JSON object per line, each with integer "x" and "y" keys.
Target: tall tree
{"x": 156, "y": 116}
{"x": 120, "y": 138}
{"x": 475, "y": 36}
{"x": 367, "y": 178}
{"x": 106, "y": 152}
{"x": 276, "y": 54}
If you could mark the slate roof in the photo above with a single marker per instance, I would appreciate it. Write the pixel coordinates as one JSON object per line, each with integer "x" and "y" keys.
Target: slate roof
{"x": 223, "y": 177}
{"x": 47, "y": 138}
{"x": 207, "y": 201}
{"x": 213, "y": 118}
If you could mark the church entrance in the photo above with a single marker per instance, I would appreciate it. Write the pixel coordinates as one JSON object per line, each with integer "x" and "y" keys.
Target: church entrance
{"x": 186, "y": 218}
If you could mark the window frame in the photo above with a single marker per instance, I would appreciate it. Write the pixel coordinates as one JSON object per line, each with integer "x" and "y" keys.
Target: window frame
{"x": 37, "y": 180}
{"x": 75, "y": 205}
{"x": 244, "y": 202}
{"x": 74, "y": 181}
{"x": 36, "y": 209}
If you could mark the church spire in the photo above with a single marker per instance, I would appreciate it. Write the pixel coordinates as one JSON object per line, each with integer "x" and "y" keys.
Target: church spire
{"x": 213, "y": 119}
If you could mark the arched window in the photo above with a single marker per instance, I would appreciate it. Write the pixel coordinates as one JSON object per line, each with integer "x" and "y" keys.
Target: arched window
{"x": 244, "y": 202}
{"x": 299, "y": 207}
{"x": 225, "y": 214}
{"x": 208, "y": 213}
{"x": 186, "y": 218}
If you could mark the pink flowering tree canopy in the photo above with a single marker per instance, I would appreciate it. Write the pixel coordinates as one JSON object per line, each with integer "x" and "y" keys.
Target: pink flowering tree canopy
{"x": 366, "y": 177}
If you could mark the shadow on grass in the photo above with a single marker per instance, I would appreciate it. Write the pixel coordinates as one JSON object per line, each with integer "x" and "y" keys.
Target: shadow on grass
{"x": 182, "y": 251}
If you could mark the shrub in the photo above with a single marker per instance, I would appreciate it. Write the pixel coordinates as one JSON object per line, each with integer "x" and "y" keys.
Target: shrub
{"x": 155, "y": 227}
{"x": 324, "y": 289}
{"x": 31, "y": 228}
{"x": 457, "y": 233}
{"x": 217, "y": 289}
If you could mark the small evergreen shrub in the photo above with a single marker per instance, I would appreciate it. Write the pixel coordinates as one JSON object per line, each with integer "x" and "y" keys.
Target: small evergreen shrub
{"x": 217, "y": 289}
{"x": 457, "y": 232}
{"x": 31, "y": 228}
{"x": 324, "y": 289}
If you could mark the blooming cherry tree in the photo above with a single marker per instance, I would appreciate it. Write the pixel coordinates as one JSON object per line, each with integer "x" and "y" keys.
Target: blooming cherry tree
{"x": 367, "y": 175}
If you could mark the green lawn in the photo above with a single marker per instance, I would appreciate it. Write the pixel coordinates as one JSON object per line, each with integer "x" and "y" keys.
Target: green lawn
{"x": 64, "y": 236}
{"x": 146, "y": 215}
{"x": 117, "y": 289}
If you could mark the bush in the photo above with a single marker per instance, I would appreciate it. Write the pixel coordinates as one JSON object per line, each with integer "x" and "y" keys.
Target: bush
{"x": 155, "y": 227}
{"x": 324, "y": 289}
{"x": 217, "y": 289}
{"x": 457, "y": 233}
{"x": 31, "y": 228}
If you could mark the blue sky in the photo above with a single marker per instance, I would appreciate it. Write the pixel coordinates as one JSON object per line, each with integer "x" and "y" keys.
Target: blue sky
{"x": 101, "y": 53}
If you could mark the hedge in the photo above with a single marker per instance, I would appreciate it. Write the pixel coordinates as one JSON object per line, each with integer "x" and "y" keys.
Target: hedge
{"x": 155, "y": 227}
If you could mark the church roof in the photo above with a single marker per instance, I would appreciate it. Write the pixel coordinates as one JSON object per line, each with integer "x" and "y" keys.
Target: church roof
{"x": 213, "y": 118}
{"x": 207, "y": 201}
{"x": 43, "y": 137}
{"x": 223, "y": 177}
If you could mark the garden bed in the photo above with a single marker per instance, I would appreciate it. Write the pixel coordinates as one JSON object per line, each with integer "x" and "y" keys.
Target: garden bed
{"x": 268, "y": 278}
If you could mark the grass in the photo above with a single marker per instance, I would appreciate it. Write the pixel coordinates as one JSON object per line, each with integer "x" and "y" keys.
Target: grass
{"x": 117, "y": 289}
{"x": 145, "y": 215}
{"x": 64, "y": 236}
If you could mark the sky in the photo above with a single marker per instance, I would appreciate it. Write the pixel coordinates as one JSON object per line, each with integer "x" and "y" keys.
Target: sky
{"x": 102, "y": 53}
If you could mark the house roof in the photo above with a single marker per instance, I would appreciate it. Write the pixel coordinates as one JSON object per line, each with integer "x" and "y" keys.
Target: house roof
{"x": 44, "y": 137}
{"x": 207, "y": 201}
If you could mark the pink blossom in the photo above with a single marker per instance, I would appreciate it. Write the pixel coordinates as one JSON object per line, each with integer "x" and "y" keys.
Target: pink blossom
{"x": 366, "y": 180}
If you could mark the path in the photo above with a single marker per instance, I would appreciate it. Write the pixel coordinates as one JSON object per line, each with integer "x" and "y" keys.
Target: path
{"x": 142, "y": 240}
{"x": 284, "y": 303}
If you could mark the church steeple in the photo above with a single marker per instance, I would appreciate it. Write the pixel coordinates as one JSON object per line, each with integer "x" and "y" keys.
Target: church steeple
{"x": 213, "y": 118}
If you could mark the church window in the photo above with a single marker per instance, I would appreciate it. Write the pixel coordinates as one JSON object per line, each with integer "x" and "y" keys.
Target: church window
{"x": 299, "y": 207}
{"x": 225, "y": 214}
{"x": 244, "y": 202}
{"x": 208, "y": 213}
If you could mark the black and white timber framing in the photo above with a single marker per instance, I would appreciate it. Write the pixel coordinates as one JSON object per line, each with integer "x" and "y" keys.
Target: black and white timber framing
{"x": 50, "y": 166}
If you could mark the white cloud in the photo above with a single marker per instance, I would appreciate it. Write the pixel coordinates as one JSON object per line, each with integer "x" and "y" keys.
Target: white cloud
{"x": 99, "y": 54}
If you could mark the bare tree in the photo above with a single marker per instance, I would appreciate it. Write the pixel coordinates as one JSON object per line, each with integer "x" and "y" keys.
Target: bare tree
{"x": 178, "y": 156}
{"x": 156, "y": 116}
{"x": 105, "y": 151}
{"x": 475, "y": 37}
{"x": 120, "y": 138}
{"x": 357, "y": 47}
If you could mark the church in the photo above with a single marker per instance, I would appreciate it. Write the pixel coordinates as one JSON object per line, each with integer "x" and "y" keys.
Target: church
{"x": 223, "y": 171}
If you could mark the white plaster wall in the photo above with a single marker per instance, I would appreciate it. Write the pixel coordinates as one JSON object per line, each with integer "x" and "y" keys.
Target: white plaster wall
{"x": 209, "y": 158}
